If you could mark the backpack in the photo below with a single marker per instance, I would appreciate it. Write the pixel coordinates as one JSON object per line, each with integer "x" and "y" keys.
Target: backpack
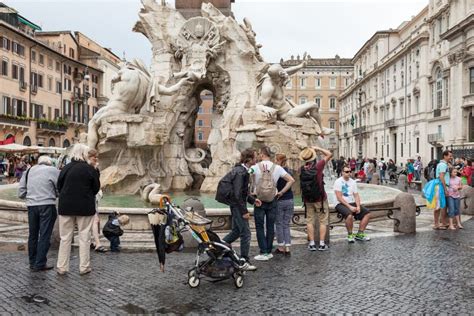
{"x": 310, "y": 190}
{"x": 384, "y": 166}
{"x": 225, "y": 188}
{"x": 266, "y": 188}
{"x": 111, "y": 230}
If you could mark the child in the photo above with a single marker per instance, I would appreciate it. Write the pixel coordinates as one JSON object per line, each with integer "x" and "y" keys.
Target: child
{"x": 112, "y": 230}
{"x": 454, "y": 198}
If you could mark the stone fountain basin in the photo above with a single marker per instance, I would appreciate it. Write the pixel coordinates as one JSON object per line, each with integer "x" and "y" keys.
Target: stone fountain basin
{"x": 372, "y": 196}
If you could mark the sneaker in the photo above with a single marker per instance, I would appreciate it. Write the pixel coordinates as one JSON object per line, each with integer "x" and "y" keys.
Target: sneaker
{"x": 269, "y": 256}
{"x": 312, "y": 248}
{"x": 351, "y": 238}
{"x": 247, "y": 266}
{"x": 362, "y": 237}
{"x": 323, "y": 248}
{"x": 261, "y": 257}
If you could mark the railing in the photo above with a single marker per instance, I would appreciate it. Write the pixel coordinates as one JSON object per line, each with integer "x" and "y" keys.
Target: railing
{"x": 435, "y": 138}
{"x": 23, "y": 85}
{"x": 390, "y": 123}
{"x": 359, "y": 130}
{"x": 52, "y": 127}
{"x": 466, "y": 150}
{"x": 14, "y": 120}
{"x": 437, "y": 113}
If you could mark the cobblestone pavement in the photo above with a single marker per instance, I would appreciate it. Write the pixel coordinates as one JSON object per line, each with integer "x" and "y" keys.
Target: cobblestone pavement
{"x": 430, "y": 272}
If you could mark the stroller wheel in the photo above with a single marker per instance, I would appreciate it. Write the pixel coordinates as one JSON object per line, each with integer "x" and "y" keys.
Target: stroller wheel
{"x": 239, "y": 281}
{"x": 192, "y": 273}
{"x": 194, "y": 281}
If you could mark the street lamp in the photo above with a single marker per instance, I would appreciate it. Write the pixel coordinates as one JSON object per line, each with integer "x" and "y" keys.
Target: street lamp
{"x": 360, "y": 124}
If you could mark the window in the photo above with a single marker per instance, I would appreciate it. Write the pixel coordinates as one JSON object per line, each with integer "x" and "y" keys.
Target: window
{"x": 6, "y": 105}
{"x": 471, "y": 80}
{"x": 27, "y": 141}
{"x": 200, "y": 136}
{"x": 49, "y": 113}
{"x": 22, "y": 74}
{"x": 5, "y": 43}
{"x": 303, "y": 83}
{"x": 36, "y": 111}
{"x": 394, "y": 82}
{"x": 56, "y": 114}
{"x": 52, "y": 142}
{"x": 50, "y": 63}
{"x": 40, "y": 80}
{"x": 4, "y": 67}
{"x": 14, "y": 71}
{"x": 289, "y": 83}
{"x": 200, "y": 123}
{"x": 409, "y": 106}
{"x": 201, "y": 110}
{"x": 332, "y": 124}
{"x": 58, "y": 86}
{"x": 34, "y": 79}
{"x": 417, "y": 104}
{"x": 332, "y": 83}
{"x": 317, "y": 82}
{"x": 71, "y": 52}
{"x": 439, "y": 89}
{"x": 94, "y": 92}
{"x": 417, "y": 144}
{"x": 33, "y": 56}
{"x": 332, "y": 103}
{"x": 346, "y": 82}
{"x": 402, "y": 103}
{"x": 403, "y": 79}
{"x": 66, "y": 143}
{"x": 41, "y": 59}
{"x": 50, "y": 84}
{"x": 317, "y": 100}
{"x": 67, "y": 85}
{"x": 66, "y": 108}
{"x": 18, "y": 48}
{"x": 303, "y": 100}
{"x": 58, "y": 66}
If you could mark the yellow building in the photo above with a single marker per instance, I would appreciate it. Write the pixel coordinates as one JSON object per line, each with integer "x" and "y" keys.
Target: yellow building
{"x": 321, "y": 81}
{"x": 47, "y": 93}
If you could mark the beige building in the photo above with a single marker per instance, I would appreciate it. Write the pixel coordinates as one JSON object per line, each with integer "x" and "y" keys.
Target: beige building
{"x": 321, "y": 81}
{"x": 413, "y": 88}
{"x": 47, "y": 92}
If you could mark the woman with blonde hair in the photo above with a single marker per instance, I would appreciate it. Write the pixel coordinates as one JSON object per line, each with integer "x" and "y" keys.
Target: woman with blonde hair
{"x": 285, "y": 211}
{"x": 78, "y": 185}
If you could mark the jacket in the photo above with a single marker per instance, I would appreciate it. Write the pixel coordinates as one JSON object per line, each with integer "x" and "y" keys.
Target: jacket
{"x": 40, "y": 188}
{"x": 110, "y": 229}
{"x": 241, "y": 189}
{"x": 78, "y": 184}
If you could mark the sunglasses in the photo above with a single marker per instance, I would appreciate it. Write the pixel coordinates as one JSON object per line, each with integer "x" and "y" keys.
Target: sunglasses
{"x": 347, "y": 171}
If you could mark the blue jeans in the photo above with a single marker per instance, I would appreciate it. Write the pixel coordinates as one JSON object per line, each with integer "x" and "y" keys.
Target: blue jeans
{"x": 283, "y": 218}
{"x": 454, "y": 206}
{"x": 41, "y": 220}
{"x": 114, "y": 243}
{"x": 382, "y": 176}
{"x": 265, "y": 216}
{"x": 240, "y": 228}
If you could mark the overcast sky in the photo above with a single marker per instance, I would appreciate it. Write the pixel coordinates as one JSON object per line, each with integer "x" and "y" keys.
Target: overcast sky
{"x": 283, "y": 27}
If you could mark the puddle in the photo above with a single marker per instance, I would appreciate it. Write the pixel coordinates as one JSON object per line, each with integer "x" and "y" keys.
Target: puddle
{"x": 134, "y": 309}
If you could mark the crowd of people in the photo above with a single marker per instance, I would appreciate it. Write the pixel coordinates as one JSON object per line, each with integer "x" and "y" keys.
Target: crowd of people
{"x": 268, "y": 186}
{"x": 76, "y": 188}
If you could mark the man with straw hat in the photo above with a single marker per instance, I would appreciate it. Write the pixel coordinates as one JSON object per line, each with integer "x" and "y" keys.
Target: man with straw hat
{"x": 314, "y": 196}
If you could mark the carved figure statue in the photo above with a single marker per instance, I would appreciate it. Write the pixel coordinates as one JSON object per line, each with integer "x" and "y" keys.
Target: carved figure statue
{"x": 251, "y": 35}
{"x": 194, "y": 157}
{"x": 272, "y": 100}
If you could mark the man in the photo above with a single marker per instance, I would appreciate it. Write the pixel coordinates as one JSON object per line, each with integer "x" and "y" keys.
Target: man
{"x": 314, "y": 196}
{"x": 382, "y": 169}
{"x": 340, "y": 165}
{"x": 265, "y": 214}
{"x": 237, "y": 200}
{"x": 38, "y": 186}
{"x": 442, "y": 173}
{"x": 418, "y": 165}
{"x": 348, "y": 205}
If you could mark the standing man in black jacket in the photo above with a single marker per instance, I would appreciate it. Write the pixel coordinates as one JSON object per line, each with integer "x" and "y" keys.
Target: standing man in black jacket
{"x": 238, "y": 206}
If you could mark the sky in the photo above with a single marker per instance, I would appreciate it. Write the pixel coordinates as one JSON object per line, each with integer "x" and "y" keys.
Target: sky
{"x": 323, "y": 28}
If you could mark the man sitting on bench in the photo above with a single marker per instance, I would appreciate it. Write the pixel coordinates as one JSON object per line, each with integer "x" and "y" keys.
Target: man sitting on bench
{"x": 349, "y": 207}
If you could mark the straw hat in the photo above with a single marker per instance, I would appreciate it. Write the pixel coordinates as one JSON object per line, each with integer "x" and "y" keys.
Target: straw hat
{"x": 308, "y": 154}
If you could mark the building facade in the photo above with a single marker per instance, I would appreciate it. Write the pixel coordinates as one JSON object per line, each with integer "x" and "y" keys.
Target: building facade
{"x": 321, "y": 81}
{"x": 202, "y": 127}
{"x": 48, "y": 94}
{"x": 411, "y": 92}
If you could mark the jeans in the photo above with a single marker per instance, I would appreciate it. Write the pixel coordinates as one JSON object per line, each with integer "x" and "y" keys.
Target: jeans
{"x": 283, "y": 217}
{"x": 454, "y": 206}
{"x": 114, "y": 243}
{"x": 265, "y": 216}
{"x": 41, "y": 220}
{"x": 240, "y": 228}
{"x": 417, "y": 175}
{"x": 382, "y": 176}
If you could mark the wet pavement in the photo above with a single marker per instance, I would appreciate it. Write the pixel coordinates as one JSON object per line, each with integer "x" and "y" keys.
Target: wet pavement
{"x": 430, "y": 272}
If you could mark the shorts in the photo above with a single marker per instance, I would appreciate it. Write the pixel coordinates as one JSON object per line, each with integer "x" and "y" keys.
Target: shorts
{"x": 344, "y": 211}
{"x": 319, "y": 208}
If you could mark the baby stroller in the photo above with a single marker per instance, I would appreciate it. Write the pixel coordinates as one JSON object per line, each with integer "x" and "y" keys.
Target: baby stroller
{"x": 222, "y": 261}
{"x": 393, "y": 175}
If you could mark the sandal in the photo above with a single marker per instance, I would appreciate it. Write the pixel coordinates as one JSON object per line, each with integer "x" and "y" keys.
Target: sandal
{"x": 101, "y": 249}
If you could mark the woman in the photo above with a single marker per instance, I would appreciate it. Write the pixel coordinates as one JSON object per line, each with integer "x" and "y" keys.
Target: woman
{"x": 78, "y": 184}
{"x": 96, "y": 245}
{"x": 285, "y": 211}
{"x": 410, "y": 170}
{"x": 467, "y": 172}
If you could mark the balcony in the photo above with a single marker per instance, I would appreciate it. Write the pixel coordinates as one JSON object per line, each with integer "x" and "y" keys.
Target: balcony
{"x": 359, "y": 130}
{"x": 34, "y": 89}
{"x": 437, "y": 113}
{"x": 345, "y": 134}
{"x": 390, "y": 123}
{"x": 14, "y": 120}
{"x": 468, "y": 101}
{"x": 435, "y": 138}
{"x": 23, "y": 85}
{"x": 52, "y": 127}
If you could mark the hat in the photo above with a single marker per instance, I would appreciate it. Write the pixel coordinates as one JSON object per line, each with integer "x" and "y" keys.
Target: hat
{"x": 308, "y": 154}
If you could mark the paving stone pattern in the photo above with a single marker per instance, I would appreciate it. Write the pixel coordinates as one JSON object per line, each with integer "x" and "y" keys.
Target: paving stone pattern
{"x": 430, "y": 272}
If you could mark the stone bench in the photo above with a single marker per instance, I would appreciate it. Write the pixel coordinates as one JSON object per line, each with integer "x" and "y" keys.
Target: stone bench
{"x": 416, "y": 185}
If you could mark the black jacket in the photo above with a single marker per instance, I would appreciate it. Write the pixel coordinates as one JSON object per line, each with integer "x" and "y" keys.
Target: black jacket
{"x": 241, "y": 189}
{"x": 111, "y": 230}
{"x": 78, "y": 183}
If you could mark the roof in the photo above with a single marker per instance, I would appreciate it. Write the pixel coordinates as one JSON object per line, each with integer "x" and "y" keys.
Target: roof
{"x": 54, "y": 33}
{"x": 370, "y": 40}
{"x": 320, "y": 62}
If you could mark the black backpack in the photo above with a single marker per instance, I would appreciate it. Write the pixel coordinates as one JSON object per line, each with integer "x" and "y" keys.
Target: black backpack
{"x": 310, "y": 189}
{"x": 384, "y": 166}
{"x": 225, "y": 188}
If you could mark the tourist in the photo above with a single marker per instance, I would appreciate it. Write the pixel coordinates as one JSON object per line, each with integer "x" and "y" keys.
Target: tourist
{"x": 348, "y": 205}
{"x": 352, "y": 165}
{"x": 314, "y": 195}
{"x": 382, "y": 169}
{"x": 93, "y": 160}
{"x": 467, "y": 172}
{"x": 454, "y": 200}
{"x": 285, "y": 210}
{"x": 265, "y": 176}
{"x": 20, "y": 166}
{"x": 410, "y": 170}
{"x": 112, "y": 230}
{"x": 340, "y": 165}
{"x": 233, "y": 190}
{"x": 418, "y": 166}
{"x": 370, "y": 170}
{"x": 78, "y": 185}
{"x": 38, "y": 187}
{"x": 11, "y": 170}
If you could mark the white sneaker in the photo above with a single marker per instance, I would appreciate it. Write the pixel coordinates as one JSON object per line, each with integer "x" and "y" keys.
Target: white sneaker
{"x": 269, "y": 256}
{"x": 248, "y": 267}
{"x": 261, "y": 257}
